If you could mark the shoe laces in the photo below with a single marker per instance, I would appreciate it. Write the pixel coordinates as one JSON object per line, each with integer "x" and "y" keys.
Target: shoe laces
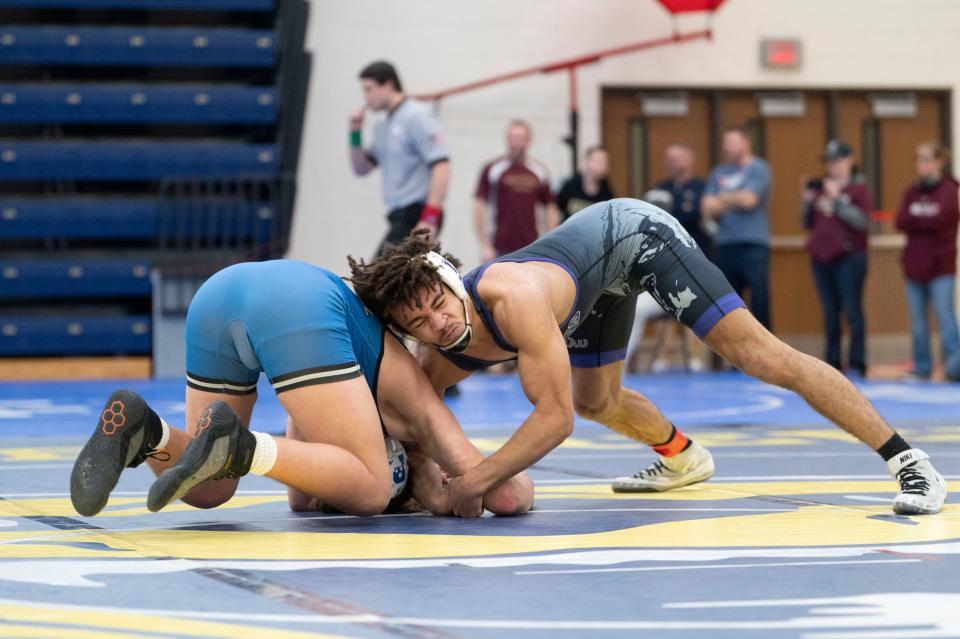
{"x": 656, "y": 468}
{"x": 159, "y": 455}
{"x": 912, "y": 481}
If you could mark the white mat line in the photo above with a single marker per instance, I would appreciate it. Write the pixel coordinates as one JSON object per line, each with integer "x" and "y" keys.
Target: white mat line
{"x": 719, "y": 453}
{"x": 561, "y": 482}
{"x": 135, "y": 493}
{"x": 742, "y": 478}
{"x": 680, "y": 509}
{"x": 565, "y": 457}
{"x": 715, "y": 567}
{"x": 16, "y": 466}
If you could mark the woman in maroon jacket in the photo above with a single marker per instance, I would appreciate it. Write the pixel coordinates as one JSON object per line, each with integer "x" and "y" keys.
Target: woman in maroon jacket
{"x": 929, "y": 216}
{"x": 835, "y": 210}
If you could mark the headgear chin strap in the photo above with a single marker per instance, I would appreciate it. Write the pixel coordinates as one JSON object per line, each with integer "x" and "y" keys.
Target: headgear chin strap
{"x": 450, "y": 276}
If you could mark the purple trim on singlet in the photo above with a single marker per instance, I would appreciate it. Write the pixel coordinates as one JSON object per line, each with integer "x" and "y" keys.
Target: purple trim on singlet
{"x": 596, "y": 360}
{"x": 470, "y": 364}
{"x": 485, "y": 313}
{"x": 726, "y": 304}
{"x": 488, "y": 316}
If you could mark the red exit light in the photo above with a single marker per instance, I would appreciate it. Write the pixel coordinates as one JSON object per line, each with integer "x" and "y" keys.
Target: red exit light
{"x": 780, "y": 54}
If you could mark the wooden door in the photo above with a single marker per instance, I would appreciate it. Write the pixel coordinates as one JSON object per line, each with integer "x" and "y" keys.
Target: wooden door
{"x": 854, "y": 116}
{"x": 793, "y": 148}
{"x": 621, "y": 113}
{"x": 898, "y": 140}
{"x": 692, "y": 129}
{"x": 884, "y": 148}
{"x": 738, "y": 109}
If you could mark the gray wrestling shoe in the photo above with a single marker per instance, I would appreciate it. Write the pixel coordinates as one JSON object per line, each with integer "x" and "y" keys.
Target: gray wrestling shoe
{"x": 922, "y": 489}
{"x": 691, "y": 466}
{"x": 124, "y": 437}
{"x": 221, "y": 447}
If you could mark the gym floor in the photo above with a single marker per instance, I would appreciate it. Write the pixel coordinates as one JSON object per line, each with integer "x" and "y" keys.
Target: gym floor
{"x": 794, "y": 537}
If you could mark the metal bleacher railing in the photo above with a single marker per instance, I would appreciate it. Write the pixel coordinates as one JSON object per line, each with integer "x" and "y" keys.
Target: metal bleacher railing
{"x": 137, "y": 160}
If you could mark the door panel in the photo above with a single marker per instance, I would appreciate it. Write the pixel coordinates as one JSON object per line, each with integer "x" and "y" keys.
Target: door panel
{"x": 692, "y": 129}
{"x": 619, "y": 108}
{"x": 737, "y": 109}
{"x": 898, "y": 140}
{"x": 853, "y": 111}
{"x": 794, "y": 146}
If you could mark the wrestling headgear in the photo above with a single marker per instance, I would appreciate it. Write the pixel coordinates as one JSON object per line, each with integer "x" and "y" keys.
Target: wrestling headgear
{"x": 450, "y": 276}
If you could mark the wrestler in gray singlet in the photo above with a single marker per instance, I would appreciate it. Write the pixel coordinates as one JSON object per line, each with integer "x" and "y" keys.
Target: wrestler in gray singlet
{"x": 614, "y": 251}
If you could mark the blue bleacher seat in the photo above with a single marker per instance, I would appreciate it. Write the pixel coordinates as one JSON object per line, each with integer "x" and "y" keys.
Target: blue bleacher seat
{"x": 194, "y": 5}
{"x": 35, "y": 279}
{"x": 127, "y": 334}
{"x": 105, "y": 161}
{"x": 127, "y": 219}
{"x": 24, "y": 219}
{"x": 131, "y": 46}
{"x": 139, "y": 155}
{"x": 126, "y": 104}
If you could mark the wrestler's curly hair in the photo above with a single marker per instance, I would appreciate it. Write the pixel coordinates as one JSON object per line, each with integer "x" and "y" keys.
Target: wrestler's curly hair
{"x": 397, "y": 275}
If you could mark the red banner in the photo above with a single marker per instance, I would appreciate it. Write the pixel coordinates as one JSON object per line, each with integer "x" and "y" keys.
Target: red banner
{"x": 689, "y": 6}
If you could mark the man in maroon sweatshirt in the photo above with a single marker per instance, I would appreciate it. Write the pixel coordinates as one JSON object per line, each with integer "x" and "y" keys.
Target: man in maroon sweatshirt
{"x": 929, "y": 216}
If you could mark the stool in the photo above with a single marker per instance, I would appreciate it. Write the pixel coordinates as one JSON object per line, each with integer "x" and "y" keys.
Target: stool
{"x": 662, "y": 326}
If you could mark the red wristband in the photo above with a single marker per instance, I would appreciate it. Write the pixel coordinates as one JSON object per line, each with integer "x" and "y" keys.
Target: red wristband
{"x": 432, "y": 215}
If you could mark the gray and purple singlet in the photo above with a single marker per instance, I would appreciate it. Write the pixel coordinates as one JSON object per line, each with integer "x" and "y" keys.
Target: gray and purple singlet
{"x": 614, "y": 251}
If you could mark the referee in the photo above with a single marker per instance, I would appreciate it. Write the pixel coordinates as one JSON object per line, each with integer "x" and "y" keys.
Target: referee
{"x": 409, "y": 148}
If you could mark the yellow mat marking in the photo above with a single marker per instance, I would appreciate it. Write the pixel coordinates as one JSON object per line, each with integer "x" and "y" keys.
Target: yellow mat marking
{"x": 58, "y": 619}
{"x": 806, "y": 526}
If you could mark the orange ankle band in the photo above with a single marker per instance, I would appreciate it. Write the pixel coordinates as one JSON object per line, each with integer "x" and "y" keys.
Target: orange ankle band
{"x": 673, "y": 446}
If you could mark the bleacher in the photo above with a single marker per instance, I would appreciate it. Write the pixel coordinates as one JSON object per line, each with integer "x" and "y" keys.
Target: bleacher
{"x": 136, "y": 104}
{"x": 144, "y": 144}
{"x": 200, "y": 5}
{"x": 124, "y": 46}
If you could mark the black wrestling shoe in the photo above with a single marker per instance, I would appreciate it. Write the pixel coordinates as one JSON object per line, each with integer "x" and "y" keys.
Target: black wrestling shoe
{"x": 126, "y": 434}
{"x": 221, "y": 448}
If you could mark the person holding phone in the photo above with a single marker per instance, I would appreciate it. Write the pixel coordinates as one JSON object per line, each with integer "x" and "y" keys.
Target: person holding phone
{"x": 835, "y": 210}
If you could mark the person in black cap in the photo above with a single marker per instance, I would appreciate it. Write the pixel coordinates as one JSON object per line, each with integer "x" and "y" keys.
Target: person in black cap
{"x": 836, "y": 211}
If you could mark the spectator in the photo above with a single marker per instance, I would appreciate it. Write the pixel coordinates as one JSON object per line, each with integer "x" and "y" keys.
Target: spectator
{"x": 929, "y": 216}
{"x": 588, "y": 186}
{"x": 509, "y": 190}
{"x": 409, "y": 148}
{"x": 835, "y": 209}
{"x": 737, "y": 196}
{"x": 680, "y": 196}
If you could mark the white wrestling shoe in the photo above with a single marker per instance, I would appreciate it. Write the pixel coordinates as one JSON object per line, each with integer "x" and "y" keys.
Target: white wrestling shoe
{"x": 688, "y": 467}
{"x": 922, "y": 488}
